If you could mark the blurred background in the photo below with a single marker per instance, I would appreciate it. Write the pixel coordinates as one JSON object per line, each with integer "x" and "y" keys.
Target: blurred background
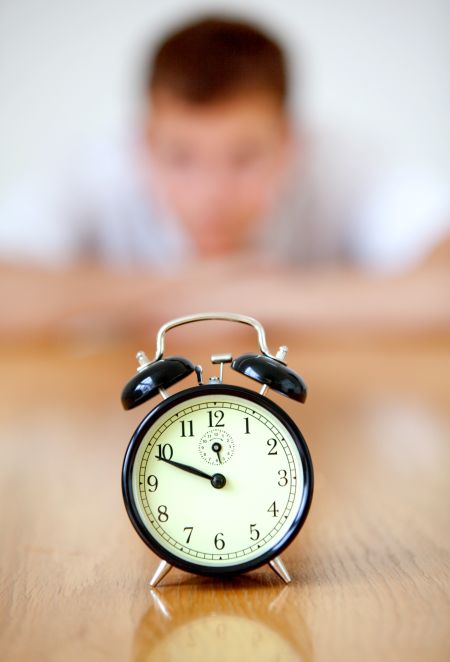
{"x": 368, "y": 87}
{"x": 70, "y": 71}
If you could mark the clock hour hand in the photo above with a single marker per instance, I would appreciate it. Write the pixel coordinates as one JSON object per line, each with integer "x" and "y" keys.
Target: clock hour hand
{"x": 217, "y": 480}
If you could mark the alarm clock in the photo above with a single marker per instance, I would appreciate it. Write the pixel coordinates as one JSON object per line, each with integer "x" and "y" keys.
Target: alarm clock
{"x": 217, "y": 479}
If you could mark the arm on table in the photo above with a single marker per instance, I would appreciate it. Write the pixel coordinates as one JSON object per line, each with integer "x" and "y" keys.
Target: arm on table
{"x": 348, "y": 299}
{"x": 39, "y": 302}
{"x": 91, "y": 299}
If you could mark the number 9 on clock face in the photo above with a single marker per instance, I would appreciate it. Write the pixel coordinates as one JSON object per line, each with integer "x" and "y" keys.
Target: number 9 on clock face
{"x": 217, "y": 479}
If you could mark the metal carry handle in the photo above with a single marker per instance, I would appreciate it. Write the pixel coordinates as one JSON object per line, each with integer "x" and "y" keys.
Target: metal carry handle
{"x": 200, "y": 317}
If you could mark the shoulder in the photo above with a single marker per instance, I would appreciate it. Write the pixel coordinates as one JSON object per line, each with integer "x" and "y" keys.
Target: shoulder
{"x": 89, "y": 204}
{"x": 346, "y": 202}
{"x": 403, "y": 217}
{"x": 323, "y": 185}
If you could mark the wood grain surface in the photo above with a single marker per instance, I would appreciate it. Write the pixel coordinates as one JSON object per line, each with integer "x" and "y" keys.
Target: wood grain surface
{"x": 370, "y": 567}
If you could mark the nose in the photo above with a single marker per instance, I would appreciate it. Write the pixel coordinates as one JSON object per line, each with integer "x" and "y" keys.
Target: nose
{"x": 215, "y": 185}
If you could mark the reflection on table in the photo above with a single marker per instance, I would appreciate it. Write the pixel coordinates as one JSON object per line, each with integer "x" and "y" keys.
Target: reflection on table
{"x": 245, "y": 622}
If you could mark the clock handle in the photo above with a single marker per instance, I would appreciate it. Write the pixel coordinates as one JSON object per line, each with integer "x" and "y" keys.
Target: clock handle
{"x": 200, "y": 317}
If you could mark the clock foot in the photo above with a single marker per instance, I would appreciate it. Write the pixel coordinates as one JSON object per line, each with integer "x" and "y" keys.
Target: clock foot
{"x": 160, "y": 573}
{"x": 279, "y": 568}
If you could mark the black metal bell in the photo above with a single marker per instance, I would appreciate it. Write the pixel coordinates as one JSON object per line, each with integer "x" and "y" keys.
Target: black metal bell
{"x": 160, "y": 374}
{"x": 275, "y": 374}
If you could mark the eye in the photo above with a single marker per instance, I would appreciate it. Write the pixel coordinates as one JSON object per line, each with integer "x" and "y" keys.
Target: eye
{"x": 179, "y": 158}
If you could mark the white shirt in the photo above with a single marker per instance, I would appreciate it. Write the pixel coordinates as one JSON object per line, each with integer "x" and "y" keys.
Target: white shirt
{"x": 334, "y": 209}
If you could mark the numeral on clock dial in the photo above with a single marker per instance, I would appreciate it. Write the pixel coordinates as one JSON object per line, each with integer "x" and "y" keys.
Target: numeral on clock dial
{"x": 187, "y": 428}
{"x": 273, "y": 509}
{"x": 216, "y": 418}
{"x": 165, "y": 452}
{"x": 163, "y": 515}
{"x": 272, "y": 443}
{"x": 282, "y": 481}
{"x": 254, "y": 533}
{"x": 152, "y": 483}
{"x": 219, "y": 542}
{"x": 190, "y": 529}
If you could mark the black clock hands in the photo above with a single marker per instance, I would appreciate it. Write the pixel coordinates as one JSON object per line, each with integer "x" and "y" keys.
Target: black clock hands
{"x": 216, "y": 447}
{"x": 186, "y": 467}
{"x": 217, "y": 480}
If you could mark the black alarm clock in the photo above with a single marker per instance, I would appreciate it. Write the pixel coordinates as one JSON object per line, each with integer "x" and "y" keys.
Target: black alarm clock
{"x": 217, "y": 479}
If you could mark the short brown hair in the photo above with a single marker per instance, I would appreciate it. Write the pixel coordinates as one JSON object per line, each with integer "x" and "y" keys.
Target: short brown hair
{"x": 215, "y": 58}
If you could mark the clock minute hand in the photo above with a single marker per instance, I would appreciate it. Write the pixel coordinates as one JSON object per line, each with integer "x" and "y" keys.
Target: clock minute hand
{"x": 187, "y": 467}
{"x": 217, "y": 480}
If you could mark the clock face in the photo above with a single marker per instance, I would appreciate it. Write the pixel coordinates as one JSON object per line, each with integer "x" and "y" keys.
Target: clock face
{"x": 217, "y": 478}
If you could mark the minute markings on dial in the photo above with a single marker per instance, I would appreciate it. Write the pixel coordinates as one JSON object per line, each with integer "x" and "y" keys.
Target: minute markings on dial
{"x": 273, "y": 432}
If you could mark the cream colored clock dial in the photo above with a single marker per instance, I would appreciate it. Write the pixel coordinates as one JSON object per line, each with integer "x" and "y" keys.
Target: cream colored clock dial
{"x": 229, "y": 436}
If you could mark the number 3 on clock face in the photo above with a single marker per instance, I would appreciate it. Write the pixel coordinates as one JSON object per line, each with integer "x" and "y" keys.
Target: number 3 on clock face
{"x": 217, "y": 479}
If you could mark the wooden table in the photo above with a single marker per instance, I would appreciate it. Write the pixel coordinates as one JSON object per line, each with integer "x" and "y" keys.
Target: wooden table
{"x": 370, "y": 567}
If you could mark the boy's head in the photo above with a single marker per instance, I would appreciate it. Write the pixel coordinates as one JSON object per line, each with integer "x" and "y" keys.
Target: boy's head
{"x": 217, "y": 128}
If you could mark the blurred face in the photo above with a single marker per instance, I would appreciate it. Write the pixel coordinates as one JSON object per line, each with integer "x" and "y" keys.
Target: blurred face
{"x": 219, "y": 166}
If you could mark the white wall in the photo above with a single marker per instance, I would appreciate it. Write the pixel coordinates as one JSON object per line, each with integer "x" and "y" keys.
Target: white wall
{"x": 69, "y": 70}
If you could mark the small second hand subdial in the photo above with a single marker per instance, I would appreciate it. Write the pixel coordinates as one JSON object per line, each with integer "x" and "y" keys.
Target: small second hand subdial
{"x": 216, "y": 446}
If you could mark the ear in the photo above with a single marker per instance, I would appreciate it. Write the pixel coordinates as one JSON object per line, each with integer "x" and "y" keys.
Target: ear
{"x": 288, "y": 141}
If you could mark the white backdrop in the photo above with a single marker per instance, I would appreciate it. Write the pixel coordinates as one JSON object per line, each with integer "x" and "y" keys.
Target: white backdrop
{"x": 69, "y": 71}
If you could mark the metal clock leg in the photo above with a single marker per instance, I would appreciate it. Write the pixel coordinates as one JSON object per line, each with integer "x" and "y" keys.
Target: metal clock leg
{"x": 279, "y": 568}
{"x": 160, "y": 573}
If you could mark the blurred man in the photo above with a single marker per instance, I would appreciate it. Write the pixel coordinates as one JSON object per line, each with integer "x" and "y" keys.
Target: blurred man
{"x": 220, "y": 202}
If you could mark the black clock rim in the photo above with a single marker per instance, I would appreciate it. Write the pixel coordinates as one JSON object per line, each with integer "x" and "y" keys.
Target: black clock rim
{"x": 127, "y": 487}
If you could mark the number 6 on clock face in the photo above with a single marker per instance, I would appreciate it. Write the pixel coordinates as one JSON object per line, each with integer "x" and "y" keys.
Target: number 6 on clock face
{"x": 217, "y": 479}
